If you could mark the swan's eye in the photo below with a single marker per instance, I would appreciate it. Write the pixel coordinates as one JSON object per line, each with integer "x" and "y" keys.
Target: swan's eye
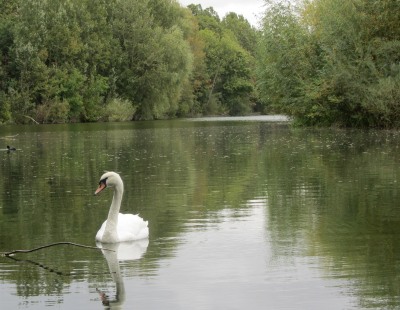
{"x": 104, "y": 181}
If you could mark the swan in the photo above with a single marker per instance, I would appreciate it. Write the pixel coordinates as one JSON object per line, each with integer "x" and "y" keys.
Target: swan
{"x": 119, "y": 227}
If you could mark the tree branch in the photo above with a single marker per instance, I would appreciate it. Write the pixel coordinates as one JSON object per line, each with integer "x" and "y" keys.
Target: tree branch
{"x": 32, "y": 119}
{"x": 7, "y": 254}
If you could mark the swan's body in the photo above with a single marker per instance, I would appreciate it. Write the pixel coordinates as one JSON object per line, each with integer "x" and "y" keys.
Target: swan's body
{"x": 119, "y": 227}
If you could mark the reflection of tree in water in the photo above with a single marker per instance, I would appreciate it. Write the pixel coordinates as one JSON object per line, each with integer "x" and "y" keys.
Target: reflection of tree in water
{"x": 332, "y": 194}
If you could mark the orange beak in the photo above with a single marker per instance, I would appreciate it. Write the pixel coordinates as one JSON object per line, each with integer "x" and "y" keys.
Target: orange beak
{"x": 102, "y": 186}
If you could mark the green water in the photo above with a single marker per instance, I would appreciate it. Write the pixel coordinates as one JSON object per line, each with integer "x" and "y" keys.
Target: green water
{"x": 243, "y": 214}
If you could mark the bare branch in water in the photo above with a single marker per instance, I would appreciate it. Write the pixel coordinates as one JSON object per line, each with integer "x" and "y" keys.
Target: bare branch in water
{"x": 53, "y": 244}
{"x": 32, "y": 119}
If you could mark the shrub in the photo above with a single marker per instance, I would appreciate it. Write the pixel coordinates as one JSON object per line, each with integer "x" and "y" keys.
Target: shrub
{"x": 119, "y": 110}
{"x": 54, "y": 112}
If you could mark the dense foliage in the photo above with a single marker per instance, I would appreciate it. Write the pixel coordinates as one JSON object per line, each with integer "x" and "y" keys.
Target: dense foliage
{"x": 83, "y": 60}
{"x": 226, "y": 85}
{"x": 332, "y": 62}
{"x": 323, "y": 62}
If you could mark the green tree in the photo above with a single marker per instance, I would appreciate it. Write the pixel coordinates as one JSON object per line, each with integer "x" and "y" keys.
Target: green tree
{"x": 70, "y": 60}
{"x": 155, "y": 62}
{"x": 226, "y": 85}
{"x": 244, "y": 33}
{"x": 247, "y": 36}
{"x": 55, "y": 59}
{"x": 330, "y": 62}
{"x": 80, "y": 55}
{"x": 7, "y": 13}
{"x": 284, "y": 61}
{"x": 190, "y": 103}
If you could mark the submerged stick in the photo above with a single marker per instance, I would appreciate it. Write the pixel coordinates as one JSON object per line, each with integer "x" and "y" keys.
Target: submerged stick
{"x": 54, "y": 244}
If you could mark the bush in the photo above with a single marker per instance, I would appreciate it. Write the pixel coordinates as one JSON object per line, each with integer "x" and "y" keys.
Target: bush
{"x": 55, "y": 112}
{"x": 332, "y": 62}
{"x": 119, "y": 110}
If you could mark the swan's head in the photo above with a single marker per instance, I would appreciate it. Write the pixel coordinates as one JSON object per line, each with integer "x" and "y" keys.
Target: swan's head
{"x": 109, "y": 179}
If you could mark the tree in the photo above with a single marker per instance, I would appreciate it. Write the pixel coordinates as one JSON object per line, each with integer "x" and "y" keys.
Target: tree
{"x": 77, "y": 60}
{"x": 331, "y": 62}
{"x": 226, "y": 86}
{"x": 247, "y": 37}
{"x": 7, "y": 15}
{"x": 244, "y": 33}
{"x": 155, "y": 62}
{"x": 78, "y": 56}
{"x": 283, "y": 61}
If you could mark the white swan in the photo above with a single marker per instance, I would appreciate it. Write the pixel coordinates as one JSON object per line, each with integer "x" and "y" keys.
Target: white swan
{"x": 119, "y": 227}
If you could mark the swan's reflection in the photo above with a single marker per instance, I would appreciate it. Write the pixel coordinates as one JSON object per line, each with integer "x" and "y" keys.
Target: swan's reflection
{"x": 122, "y": 251}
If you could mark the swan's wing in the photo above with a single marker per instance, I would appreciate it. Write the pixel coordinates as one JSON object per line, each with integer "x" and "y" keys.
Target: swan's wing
{"x": 131, "y": 227}
{"x": 100, "y": 233}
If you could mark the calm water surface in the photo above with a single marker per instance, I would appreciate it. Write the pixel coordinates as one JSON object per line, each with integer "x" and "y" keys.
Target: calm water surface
{"x": 243, "y": 214}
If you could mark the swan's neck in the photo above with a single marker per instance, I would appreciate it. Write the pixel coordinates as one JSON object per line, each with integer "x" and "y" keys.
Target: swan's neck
{"x": 113, "y": 265}
{"x": 110, "y": 232}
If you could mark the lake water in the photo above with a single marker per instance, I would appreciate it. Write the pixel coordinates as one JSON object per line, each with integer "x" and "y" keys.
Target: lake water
{"x": 244, "y": 213}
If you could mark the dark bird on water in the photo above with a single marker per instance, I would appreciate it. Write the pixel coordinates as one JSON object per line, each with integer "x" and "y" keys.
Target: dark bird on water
{"x": 11, "y": 148}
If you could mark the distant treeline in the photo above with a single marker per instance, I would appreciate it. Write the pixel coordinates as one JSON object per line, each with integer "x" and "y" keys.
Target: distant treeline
{"x": 323, "y": 62}
{"x": 85, "y": 60}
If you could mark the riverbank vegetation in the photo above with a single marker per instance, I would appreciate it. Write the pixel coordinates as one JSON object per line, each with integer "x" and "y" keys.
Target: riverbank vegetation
{"x": 80, "y": 61}
{"x": 322, "y": 62}
{"x": 332, "y": 62}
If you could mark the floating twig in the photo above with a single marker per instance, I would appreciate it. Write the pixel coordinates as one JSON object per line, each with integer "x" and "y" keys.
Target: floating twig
{"x": 53, "y": 244}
